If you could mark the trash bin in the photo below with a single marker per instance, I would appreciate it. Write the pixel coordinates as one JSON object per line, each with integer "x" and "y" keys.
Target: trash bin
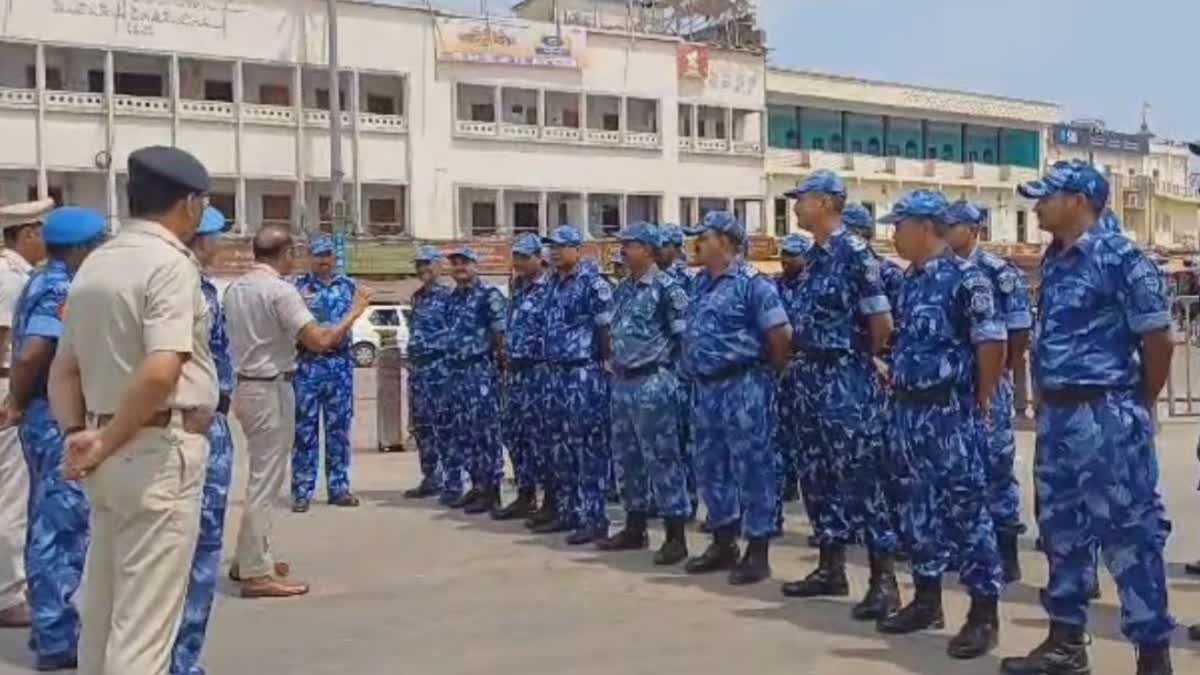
{"x": 391, "y": 399}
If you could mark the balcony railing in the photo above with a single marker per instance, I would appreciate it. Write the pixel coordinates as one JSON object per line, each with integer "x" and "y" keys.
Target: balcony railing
{"x": 320, "y": 118}
{"x": 141, "y": 105}
{"x": 641, "y": 139}
{"x": 710, "y": 145}
{"x": 389, "y": 123}
{"x": 747, "y": 148}
{"x": 18, "y": 98}
{"x": 268, "y": 114}
{"x": 473, "y": 128}
{"x": 75, "y": 101}
{"x": 561, "y": 134}
{"x": 527, "y": 132}
{"x": 685, "y": 143}
{"x": 603, "y": 137}
{"x": 208, "y": 110}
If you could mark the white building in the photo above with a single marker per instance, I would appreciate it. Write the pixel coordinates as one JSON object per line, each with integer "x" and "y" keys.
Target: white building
{"x": 456, "y": 127}
{"x": 887, "y": 139}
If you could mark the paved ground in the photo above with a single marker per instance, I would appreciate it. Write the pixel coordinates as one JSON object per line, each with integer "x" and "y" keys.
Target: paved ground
{"x": 403, "y": 587}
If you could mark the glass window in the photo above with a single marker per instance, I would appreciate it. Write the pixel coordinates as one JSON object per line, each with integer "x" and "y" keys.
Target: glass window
{"x": 385, "y": 317}
{"x": 944, "y": 142}
{"x": 1020, "y": 148}
{"x": 865, "y": 134}
{"x": 782, "y": 130}
{"x": 821, "y": 130}
{"x": 781, "y": 217}
{"x": 982, "y": 144}
{"x": 1022, "y": 226}
{"x": 904, "y": 138}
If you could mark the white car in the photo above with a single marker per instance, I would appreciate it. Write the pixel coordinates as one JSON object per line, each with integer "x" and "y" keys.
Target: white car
{"x": 379, "y": 326}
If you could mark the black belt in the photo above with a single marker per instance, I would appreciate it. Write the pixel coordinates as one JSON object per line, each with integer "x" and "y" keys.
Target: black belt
{"x": 466, "y": 361}
{"x": 1074, "y": 395}
{"x": 726, "y": 373}
{"x": 223, "y": 404}
{"x": 936, "y": 395}
{"x": 640, "y": 371}
{"x": 577, "y": 363}
{"x": 286, "y": 377}
{"x": 823, "y": 356}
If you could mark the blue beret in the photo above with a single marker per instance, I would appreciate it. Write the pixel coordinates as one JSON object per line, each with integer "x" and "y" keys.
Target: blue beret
{"x": 642, "y": 233}
{"x": 465, "y": 252}
{"x": 823, "y": 181}
{"x": 565, "y": 235}
{"x": 212, "y": 222}
{"x": 321, "y": 246}
{"x": 72, "y": 225}
{"x": 857, "y": 219}
{"x": 428, "y": 254}
{"x": 672, "y": 235}
{"x": 1075, "y": 176}
{"x": 527, "y": 245}
{"x": 919, "y": 204}
{"x": 160, "y": 163}
{"x": 795, "y": 245}
{"x": 721, "y": 222}
{"x": 963, "y": 212}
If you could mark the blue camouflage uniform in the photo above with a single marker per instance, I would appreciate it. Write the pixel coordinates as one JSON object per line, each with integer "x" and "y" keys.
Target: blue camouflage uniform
{"x": 672, "y": 235}
{"x": 56, "y": 537}
{"x": 1096, "y": 467}
{"x": 527, "y": 394}
{"x": 734, "y": 413}
{"x": 841, "y": 415}
{"x": 324, "y": 384}
{"x": 859, "y": 221}
{"x": 477, "y": 315}
{"x": 946, "y": 309}
{"x": 646, "y": 332}
{"x": 579, "y": 413}
{"x": 202, "y": 584}
{"x": 428, "y": 377}
{"x": 787, "y": 398}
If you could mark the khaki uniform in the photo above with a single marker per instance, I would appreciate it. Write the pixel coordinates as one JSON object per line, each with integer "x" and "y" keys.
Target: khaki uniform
{"x": 264, "y": 315}
{"x": 139, "y": 294}
{"x": 14, "y": 477}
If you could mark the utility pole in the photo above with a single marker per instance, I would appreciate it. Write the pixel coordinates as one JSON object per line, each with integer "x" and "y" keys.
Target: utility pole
{"x": 336, "y": 174}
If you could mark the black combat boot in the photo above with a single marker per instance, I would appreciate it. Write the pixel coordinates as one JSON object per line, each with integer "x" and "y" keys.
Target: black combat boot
{"x": 1194, "y": 632}
{"x": 755, "y": 565}
{"x": 632, "y": 538}
{"x": 427, "y": 488}
{"x": 883, "y": 595}
{"x": 791, "y": 493}
{"x": 522, "y": 507}
{"x": 467, "y": 497}
{"x": 1063, "y": 652}
{"x": 721, "y": 554}
{"x": 925, "y": 611}
{"x": 548, "y": 512}
{"x": 488, "y": 500}
{"x": 674, "y": 549}
{"x": 979, "y": 634}
{"x": 1007, "y": 543}
{"x": 828, "y": 580}
{"x": 1154, "y": 659}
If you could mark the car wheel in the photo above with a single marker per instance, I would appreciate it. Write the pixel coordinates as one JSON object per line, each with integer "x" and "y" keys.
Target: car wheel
{"x": 364, "y": 354}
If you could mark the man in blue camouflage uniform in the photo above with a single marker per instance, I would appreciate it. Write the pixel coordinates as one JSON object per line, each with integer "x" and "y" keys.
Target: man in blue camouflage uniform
{"x": 1012, "y": 308}
{"x": 791, "y": 257}
{"x": 202, "y": 584}
{"x": 56, "y": 540}
{"x": 1101, "y": 356}
{"x": 324, "y": 387}
{"x": 650, "y": 315}
{"x": 474, "y": 357}
{"x": 578, "y": 415}
{"x": 843, "y": 318}
{"x": 672, "y": 259}
{"x": 737, "y": 332}
{"x": 528, "y": 382}
{"x": 428, "y": 377}
{"x": 947, "y": 358}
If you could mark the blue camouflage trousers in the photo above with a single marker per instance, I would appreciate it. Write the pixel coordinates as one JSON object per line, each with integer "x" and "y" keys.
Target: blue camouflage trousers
{"x": 785, "y": 439}
{"x": 1004, "y": 492}
{"x": 578, "y": 414}
{"x": 949, "y": 518}
{"x": 185, "y": 659}
{"x": 735, "y": 460}
{"x": 56, "y": 538}
{"x": 898, "y": 478}
{"x": 428, "y": 414}
{"x": 844, "y": 447}
{"x": 1097, "y": 479}
{"x": 474, "y": 439}
{"x": 645, "y": 438}
{"x": 687, "y": 439}
{"x": 525, "y": 423}
{"x": 324, "y": 384}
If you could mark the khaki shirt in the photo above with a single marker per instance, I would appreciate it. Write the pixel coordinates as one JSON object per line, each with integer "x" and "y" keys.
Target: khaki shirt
{"x": 264, "y": 315}
{"x": 14, "y": 274}
{"x": 135, "y": 295}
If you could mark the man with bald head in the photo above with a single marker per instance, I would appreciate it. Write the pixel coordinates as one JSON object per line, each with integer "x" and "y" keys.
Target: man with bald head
{"x": 267, "y": 317}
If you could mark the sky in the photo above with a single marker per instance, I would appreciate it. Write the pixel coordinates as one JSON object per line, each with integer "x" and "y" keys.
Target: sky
{"x": 1096, "y": 58}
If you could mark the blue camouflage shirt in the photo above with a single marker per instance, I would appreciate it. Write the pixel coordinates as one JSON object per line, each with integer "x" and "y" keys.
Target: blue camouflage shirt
{"x": 429, "y": 334}
{"x": 728, "y": 319}
{"x": 1010, "y": 286}
{"x": 218, "y": 339}
{"x": 329, "y": 303}
{"x": 789, "y": 288}
{"x": 651, "y": 315}
{"x": 893, "y": 278}
{"x": 526, "y": 336}
{"x": 681, "y": 274}
{"x": 39, "y": 311}
{"x": 842, "y": 286}
{"x": 579, "y": 303}
{"x": 477, "y": 314}
{"x": 946, "y": 307}
{"x": 1097, "y": 297}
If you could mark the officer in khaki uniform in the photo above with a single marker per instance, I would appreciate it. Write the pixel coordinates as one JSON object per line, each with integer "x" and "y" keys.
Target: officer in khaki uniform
{"x": 266, "y": 317}
{"x": 133, "y": 388}
{"x": 23, "y": 248}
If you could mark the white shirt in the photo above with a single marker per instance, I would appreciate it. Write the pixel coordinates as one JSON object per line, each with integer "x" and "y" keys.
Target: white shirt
{"x": 14, "y": 273}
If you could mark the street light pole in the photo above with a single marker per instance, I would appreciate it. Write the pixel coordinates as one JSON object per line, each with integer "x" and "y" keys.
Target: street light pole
{"x": 336, "y": 175}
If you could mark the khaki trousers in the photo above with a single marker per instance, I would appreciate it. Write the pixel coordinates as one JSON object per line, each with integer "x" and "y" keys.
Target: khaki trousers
{"x": 14, "y": 500}
{"x": 144, "y": 523}
{"x": 267, "y": 413}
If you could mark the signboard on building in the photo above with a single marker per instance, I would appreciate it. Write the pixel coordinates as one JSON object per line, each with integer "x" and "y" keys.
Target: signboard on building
{"x": 1085, "y": 137}
{"x": 692, "y": 62}
{"x": 510, "y": 43}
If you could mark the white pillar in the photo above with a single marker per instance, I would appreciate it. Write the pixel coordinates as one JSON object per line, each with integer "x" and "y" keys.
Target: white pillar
{"x": 541, "y": 106}
{"x": 110, "y": 141}
{"x": 239, "y": 98}
{"x": 543, "y": 213}
{"x": 174, "y": 94}
{"x": 43, "y": 182}
{"x": 300, "y": 212}
{"x": 356, "y": 211}
{"x": 498, "y": 103}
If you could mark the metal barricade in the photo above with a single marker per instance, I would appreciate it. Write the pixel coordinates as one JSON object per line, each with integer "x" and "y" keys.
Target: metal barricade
{"x": 391, "y": 401}
{"x": 1185, "y": 333}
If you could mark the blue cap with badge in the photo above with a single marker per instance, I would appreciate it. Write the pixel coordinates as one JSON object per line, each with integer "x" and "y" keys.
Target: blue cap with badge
{"x": 427, "y": 254}
{"x": 821, "y": 182}
{"x": 527, "y": 245}
{"x": 1075, "y": 177}
{"x": 857, "y": 219}
{"x": 72, "y": 226}
{"x": 963, "y": 212}
{"x": 671, "y": 234}
{"x": 321, "y": 246}
{"x": 465, "y": 252}
{"x": 642, "y": 233}
{"x": 921, "y": 204}
{"x": 795, "y": 245}
{"x": 721, "y": 222}
{"x": 565, "y": 235}
{"x": 212, "y": 222}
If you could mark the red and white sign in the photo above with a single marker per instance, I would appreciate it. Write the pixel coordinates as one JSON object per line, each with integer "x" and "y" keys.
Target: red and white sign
{"x": 692, "y": 61}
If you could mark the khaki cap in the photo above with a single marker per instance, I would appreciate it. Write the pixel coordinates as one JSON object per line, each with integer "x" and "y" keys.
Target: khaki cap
{"x": 24, "y": 213}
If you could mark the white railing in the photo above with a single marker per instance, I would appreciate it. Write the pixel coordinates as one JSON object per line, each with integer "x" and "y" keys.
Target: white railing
{"x": 521, "y": 131}
{"x": 685, "y": 143}
{"x": 472, "y": 128}
{"x": 18, "y": 98}
{"x": 207, "y": 109}
{"x": 711, "y": 145}
{"x": 747, "y": 148}
{"x": 562, "y": 134}
{"x": 602, "y": 136}
{"x": 642, "y": 139}
{"x": 374, "y": 122}
{"x": 268, "y": 114}
{"x": 141, "y": 105}
{"x": 320, "y": 118}
{"x": 74, "y": 100}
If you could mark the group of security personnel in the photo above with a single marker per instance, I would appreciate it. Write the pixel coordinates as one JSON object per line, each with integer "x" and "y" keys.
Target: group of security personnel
{"x": 885, "y": 393}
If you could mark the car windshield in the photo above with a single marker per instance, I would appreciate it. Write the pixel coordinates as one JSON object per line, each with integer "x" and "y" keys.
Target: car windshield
{"x": 385, "y": 317}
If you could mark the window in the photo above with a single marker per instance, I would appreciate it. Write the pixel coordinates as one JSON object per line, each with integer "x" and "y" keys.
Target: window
{"x": 981, "y": 144}
{"x": 218, "y": 90}
{"x": 323, "y": 99}
{"x": 685, "y": 121}
{"x": 226, "y": 203}
{"x": 483, "y": 219}
{"x": 54, "y": 79}
{"x": 945, "y": 142}
{"x": 95, "y": 81}
{"x": 904, "y": 138}
{"x": 783, "y": 129}
{"x": 1020, "y": 148}
{"x": 781, "y": 217}
{"x": 865, "y": 133}
{"x": 127, "y": 84}
{"x": 525, "y": 218}
{"x": 277, "y": 210}
{"x": 610, "y": 219}
{"x": 821, "y": 130}
{"x": 685, "y": 211}
{"x": 274, "y": 94}
{"x": 382, "y": 211}
{"x": 53, "y": 192}
{"x": 381, "y": 105}
{"x": 609, "y": 122}
{"x": 1022, "y": 226}
{"x": 870, "y": 207}
{"x": 985, "y": 232}
{"x": 483, "y": 112}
